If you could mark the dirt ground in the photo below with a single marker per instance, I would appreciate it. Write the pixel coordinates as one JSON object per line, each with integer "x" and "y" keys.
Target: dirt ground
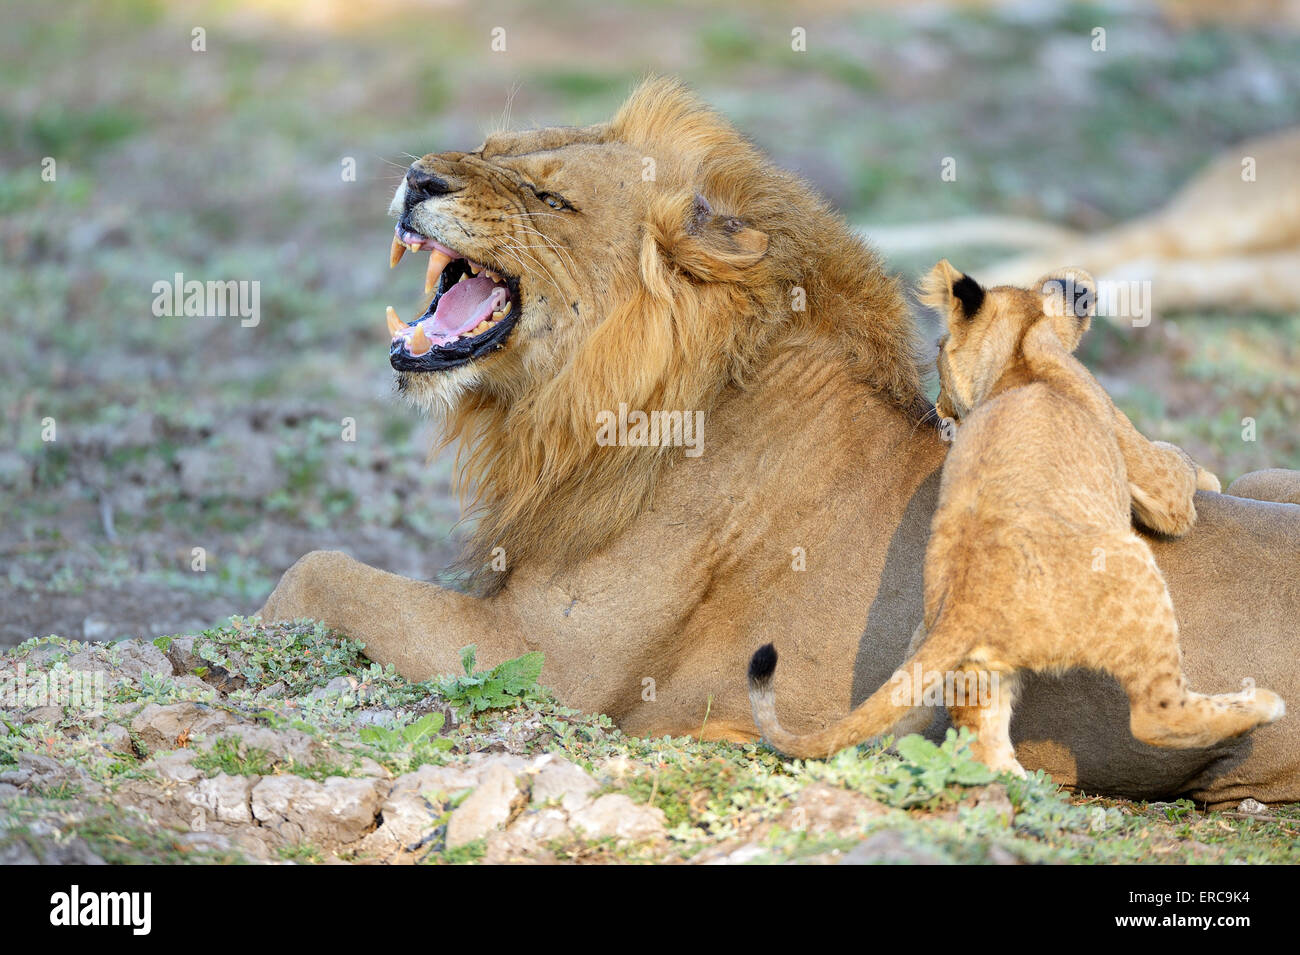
{"x": 129, "y": 441}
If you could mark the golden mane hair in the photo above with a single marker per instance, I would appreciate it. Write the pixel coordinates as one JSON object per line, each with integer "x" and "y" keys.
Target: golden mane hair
{"x": 686, "y": 317}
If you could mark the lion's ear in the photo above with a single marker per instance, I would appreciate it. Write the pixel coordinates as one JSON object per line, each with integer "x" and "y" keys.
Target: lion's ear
{"x": 716, "y": 246}
{"x": 1069, "y": 300}
{"x": 954, "y": 294}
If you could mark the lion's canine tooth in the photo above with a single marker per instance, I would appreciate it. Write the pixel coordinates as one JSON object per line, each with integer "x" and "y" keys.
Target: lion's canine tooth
{"x": 395, "y": 324}
{"x": 475, "y": 268}
{"x": 437, "y": 262}
{"x": 419, "y": 343}
{"x": 463, "y": 277}
{"x": 397, "y": 252}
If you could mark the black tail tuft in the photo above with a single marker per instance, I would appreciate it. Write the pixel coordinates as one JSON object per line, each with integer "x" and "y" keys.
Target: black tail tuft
{"x": 762, "y": 665}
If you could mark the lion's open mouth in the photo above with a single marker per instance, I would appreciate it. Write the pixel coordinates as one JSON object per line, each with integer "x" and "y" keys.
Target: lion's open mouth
{"x": 472, "y": 310}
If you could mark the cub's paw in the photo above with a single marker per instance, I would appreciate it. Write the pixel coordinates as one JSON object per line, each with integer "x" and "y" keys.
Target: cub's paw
{"x": 1207, "y": 481}
{"x": 1270, "y": 706}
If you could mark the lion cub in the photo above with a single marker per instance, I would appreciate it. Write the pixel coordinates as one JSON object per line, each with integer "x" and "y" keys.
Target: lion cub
{"x": 1033, "y": 563}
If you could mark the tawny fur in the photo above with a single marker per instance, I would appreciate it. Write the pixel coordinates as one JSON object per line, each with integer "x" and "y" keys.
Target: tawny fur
{"x": 805, "y": 520}
{"x": 697, "y": 313}
{"x": 1032, "y": 562}
{"x": 1228, "y": 240}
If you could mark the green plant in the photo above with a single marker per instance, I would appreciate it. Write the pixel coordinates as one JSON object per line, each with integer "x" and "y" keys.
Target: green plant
{"x": 505, "y": 684}
{"x": 402, "y": 747}
{"x": 927, "y": 771}
{"x": 303, "y": 852}
{"x": 225, "y": 757}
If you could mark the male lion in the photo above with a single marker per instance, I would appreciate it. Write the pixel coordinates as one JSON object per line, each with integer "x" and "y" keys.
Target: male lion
{"x": 1033, "y": 563}
{"x": 659, "y": 262}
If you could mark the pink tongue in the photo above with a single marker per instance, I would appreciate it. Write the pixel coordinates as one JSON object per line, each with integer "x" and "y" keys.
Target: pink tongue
{"x": 462, "y": 307}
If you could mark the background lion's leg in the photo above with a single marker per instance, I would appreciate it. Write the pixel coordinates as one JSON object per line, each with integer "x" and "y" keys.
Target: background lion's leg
{"x": 1274, "y": 484}
{"x": 416, "y": 626}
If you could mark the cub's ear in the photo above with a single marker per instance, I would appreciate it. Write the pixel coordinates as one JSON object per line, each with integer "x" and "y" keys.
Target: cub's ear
{"x": 715, "y": 246}
{"x": 1069, "y": 300}
{"x": 954, "y": 294}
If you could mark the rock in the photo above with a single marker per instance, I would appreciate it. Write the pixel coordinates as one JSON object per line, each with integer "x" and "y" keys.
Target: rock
{"x": 40, "y": 657}
{"x": 9, "y": 791}
{"x": 375, "y": 717}
{"x": 160, "y": 727}
{"x": 487, "y": 808}
{"x": 283, "y": 745}
{"x": 436, "y": 780}
{"x": 368, "y": 767}
{"x": 515, "y": 848}
{"x": 559, "y": 781}
{"x": 225, "y": 797}
{"x": 132, "y": 658}
{"x": 164, "y": 805}
{"x": 889, "y": 848}
{"x": 1000, "y": 856}
{"x": 543, "y": 825}
{"x": 75, "y": 851}
{"x": 336, "y": 811}
{"x": 138, "y": 657}
{"x": 995, "y": 799}
{"x": 414, "y": 804}
{"x": 273, "y": 692}
{"x": 42, "y": 714}
{"x": 46, "y": 773}
{"x": 180, "y": 653}
{"x": 616, "y": 816}
{"x": 741, "y": 855}
{"x": 479, "y": 763}
{"x": 117, "y": 739}
{"x": 820, "y": 809}
{"x": 212, "y": 841}
{"x": 408, "y": 820}
{"x": 176, "y": 765}
{"x": 335, "y": 688}
{"x": 191, "y": 682}
{"x": 37, "y": 765}
{"x": 1252, "y": 806}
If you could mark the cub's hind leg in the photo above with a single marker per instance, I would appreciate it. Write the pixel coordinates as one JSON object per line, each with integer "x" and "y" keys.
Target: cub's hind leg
{"x": 1137, "y": 641}
{"x": 982, "y": 701}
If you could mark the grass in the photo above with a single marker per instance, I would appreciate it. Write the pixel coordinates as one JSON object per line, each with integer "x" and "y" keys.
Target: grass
{"x": 714, "y": 796}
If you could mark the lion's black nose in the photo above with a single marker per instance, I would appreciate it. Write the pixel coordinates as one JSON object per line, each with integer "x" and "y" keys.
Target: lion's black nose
{"x": 422, "y": 184}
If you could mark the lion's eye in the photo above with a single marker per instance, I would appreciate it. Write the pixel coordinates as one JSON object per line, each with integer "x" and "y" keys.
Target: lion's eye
{"x": 552, "y": 200}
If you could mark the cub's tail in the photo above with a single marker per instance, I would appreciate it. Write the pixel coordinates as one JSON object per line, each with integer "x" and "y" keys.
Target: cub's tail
{"x": 892, "y": 704}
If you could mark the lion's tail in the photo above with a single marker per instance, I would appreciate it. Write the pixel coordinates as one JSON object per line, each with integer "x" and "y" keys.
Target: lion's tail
{"x": 877, "y": 714}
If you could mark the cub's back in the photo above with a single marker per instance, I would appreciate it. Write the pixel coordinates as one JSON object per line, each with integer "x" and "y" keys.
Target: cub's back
{"x": 1030, "y": 455}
